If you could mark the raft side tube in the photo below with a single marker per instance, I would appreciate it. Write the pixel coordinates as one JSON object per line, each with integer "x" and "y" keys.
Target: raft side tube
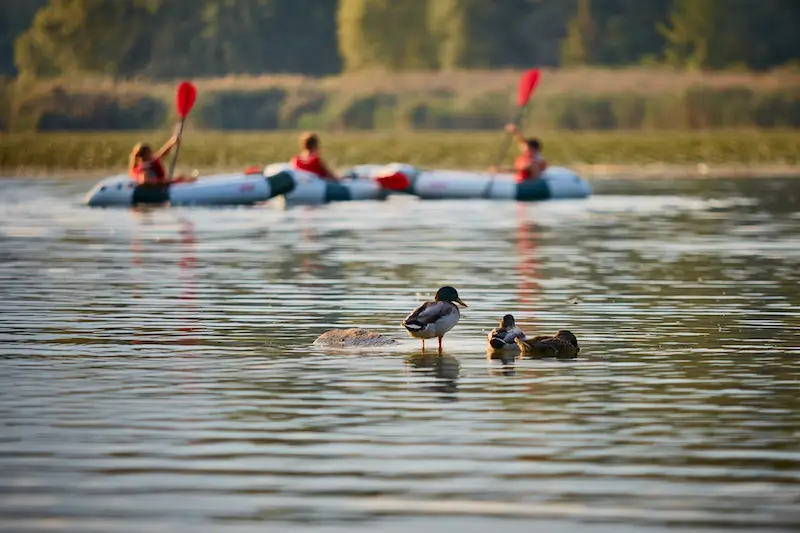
{"x": 310, "y": 189}
{"x": 225, "y": 189}
{"x": 556, "y": 182}
{"x": 114, "y": 190}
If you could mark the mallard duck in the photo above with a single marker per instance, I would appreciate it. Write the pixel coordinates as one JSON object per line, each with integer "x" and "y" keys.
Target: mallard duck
{"x": 434, "y": 319}
{"x": 563, "y": 345}
{"x": 503, "y": 336}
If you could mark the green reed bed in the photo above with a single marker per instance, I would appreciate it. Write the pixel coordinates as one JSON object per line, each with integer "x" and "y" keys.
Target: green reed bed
{"x": 469, "y": 150}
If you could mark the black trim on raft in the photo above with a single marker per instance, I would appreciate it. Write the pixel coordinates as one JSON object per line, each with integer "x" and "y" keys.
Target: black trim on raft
{"x": 150, "y": 194}
{"x": 412, "y": 182}
{"x": 336, "y": 192}
{"x": 530, "y": 190}
{"x": 281, "y": 183}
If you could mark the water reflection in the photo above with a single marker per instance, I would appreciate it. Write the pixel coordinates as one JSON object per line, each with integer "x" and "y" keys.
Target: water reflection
{"x": 444, "y": 368}
{"x": 157, "y": 366}
{"x": 527, "y": 260}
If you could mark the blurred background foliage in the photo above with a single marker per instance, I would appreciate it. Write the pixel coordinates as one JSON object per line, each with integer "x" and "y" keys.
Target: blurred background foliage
{"x": 410, "y": 64}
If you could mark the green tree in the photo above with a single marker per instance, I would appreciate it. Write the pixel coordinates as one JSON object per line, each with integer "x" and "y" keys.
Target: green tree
{"x": 578, "y": 46}
{"x": 78, "y": 36}
{"x": 385, "y": 34}
{"x": 626, "y": 30}
{"x": 465, "y": 32}
{"x": 690, "y": 31}
{"x": 15, "y": 17}
{"x": 718, "y": 34}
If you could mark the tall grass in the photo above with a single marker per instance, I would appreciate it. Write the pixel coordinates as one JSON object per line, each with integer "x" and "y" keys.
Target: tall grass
{"x": 432, "y": 149}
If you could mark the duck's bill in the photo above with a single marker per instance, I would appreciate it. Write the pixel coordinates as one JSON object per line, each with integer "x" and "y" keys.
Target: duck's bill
{"x": 458, "y": 300}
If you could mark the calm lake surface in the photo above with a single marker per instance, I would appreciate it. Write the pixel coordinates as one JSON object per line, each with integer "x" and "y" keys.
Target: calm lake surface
{"x": 157, "y": 373}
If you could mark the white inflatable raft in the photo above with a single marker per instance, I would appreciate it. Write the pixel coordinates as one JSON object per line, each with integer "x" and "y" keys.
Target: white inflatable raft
{"x": 311, "y": 190}
{"x": 555, "y": 183}
{"x": 226, "y": 189}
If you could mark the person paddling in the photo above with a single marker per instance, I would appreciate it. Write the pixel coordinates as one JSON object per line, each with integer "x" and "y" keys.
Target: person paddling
{"x": 309, "y": 159}
{"x": 147, "y": 169}
{"x": 530, "y": 164}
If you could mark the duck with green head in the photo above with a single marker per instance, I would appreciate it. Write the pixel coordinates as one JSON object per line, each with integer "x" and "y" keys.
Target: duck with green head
{"x": 434, "y": 319}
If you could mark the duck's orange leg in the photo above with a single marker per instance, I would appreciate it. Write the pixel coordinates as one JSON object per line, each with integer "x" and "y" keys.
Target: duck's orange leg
{"x": 440, "y": 345}
{"x": 423, "y": 346}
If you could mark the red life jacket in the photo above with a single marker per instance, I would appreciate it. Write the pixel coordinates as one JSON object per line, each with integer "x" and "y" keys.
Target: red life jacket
{"x": 523, "y": 164}
{"x": 153, "y": 167}
{"x": 312, "y": 164}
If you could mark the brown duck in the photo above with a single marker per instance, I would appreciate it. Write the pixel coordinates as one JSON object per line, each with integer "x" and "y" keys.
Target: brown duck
{"x": 563, "y": 345}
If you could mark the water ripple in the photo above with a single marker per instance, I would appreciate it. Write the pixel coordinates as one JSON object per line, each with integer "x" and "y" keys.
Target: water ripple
{"x": 157, "y": 367}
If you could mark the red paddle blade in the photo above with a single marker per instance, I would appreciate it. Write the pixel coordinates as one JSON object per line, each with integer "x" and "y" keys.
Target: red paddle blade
{"x": 187, "y": 94}
{"x": 527, "y": 84}
{"x": 249, "y": 171}
{"x": 396, "y": 181}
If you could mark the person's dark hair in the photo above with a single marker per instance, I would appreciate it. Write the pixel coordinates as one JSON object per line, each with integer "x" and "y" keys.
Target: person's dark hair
{"x": 534, "y": 144}
{"x": 309, "y": 141}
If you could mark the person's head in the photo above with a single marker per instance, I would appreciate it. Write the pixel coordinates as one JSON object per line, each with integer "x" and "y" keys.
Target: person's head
{"x": 531, "y": 145}
{"x": 140, "y": 152}
{"x": 309, "y": 142}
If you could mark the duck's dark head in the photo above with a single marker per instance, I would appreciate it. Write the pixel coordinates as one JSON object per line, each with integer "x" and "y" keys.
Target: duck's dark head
{"x": 448, "y": 294}
{"x": 508, "y": 322}
{"x": 568, "y": 336}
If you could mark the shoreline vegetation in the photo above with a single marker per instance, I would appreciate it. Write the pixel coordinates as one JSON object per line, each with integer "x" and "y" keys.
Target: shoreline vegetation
{"x": 593, "y": 154}
{"x": 573, "y": 99}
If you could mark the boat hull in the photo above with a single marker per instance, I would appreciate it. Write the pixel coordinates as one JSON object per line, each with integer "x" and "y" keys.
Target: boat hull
{"x": 221, "y": 190}
{"x": 556, "y": 183}
{"x": 311, "y": 190}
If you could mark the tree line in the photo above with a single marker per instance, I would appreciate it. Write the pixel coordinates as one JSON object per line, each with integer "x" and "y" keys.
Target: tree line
{"x": 165, "y": 39}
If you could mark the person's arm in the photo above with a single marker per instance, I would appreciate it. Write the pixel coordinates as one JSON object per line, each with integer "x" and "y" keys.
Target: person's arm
{"x": 513, "y": 130}
{"x": 164, "y": 150}
{"x": 328, "y": 173}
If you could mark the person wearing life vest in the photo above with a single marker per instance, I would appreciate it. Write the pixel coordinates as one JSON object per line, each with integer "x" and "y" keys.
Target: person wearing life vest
{"x": 530, "y": 164}
{"x": 146, "y": 167}
{"x": 309, "y": 159}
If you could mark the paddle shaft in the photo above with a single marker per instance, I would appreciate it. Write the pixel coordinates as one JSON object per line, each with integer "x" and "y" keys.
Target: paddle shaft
{"x": 505, "y": 146}
{"x": 177, "y": 149}
{"x": 509, "y": 137}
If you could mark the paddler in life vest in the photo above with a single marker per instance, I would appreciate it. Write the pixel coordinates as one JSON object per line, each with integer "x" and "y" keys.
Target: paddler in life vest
{"x": 147, "y": 169}
{"x": 309, "y": 159}
{"x": 530, "y": 164}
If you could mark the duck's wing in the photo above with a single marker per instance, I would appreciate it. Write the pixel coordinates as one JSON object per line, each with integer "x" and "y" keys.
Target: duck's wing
{"x": 544, "y": 346}
{"x": 429, "y": 313}
{"x": 500, "y": 338}
{"x": 537, "y": 347}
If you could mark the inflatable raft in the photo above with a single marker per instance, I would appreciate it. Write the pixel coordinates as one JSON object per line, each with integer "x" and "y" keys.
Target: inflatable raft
{"x": 227, "y": 189}
{"x": 555, "y": 183}
{"x": 311, "y": 190}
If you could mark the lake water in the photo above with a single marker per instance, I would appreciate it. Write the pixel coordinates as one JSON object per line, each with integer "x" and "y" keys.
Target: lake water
{"x": 157, "y": 372}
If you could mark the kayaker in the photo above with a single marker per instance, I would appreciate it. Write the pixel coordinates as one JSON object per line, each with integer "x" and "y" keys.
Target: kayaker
{"x": 147, "y": 169}
{"x": 309, "y": 159}
{"x": 529, "y": 164}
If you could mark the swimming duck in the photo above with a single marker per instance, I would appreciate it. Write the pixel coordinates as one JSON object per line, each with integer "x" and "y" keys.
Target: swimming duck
{"x": 563, "y": 345}
{"x": 434, "y": 319}
{"x": 503, "y": 336}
